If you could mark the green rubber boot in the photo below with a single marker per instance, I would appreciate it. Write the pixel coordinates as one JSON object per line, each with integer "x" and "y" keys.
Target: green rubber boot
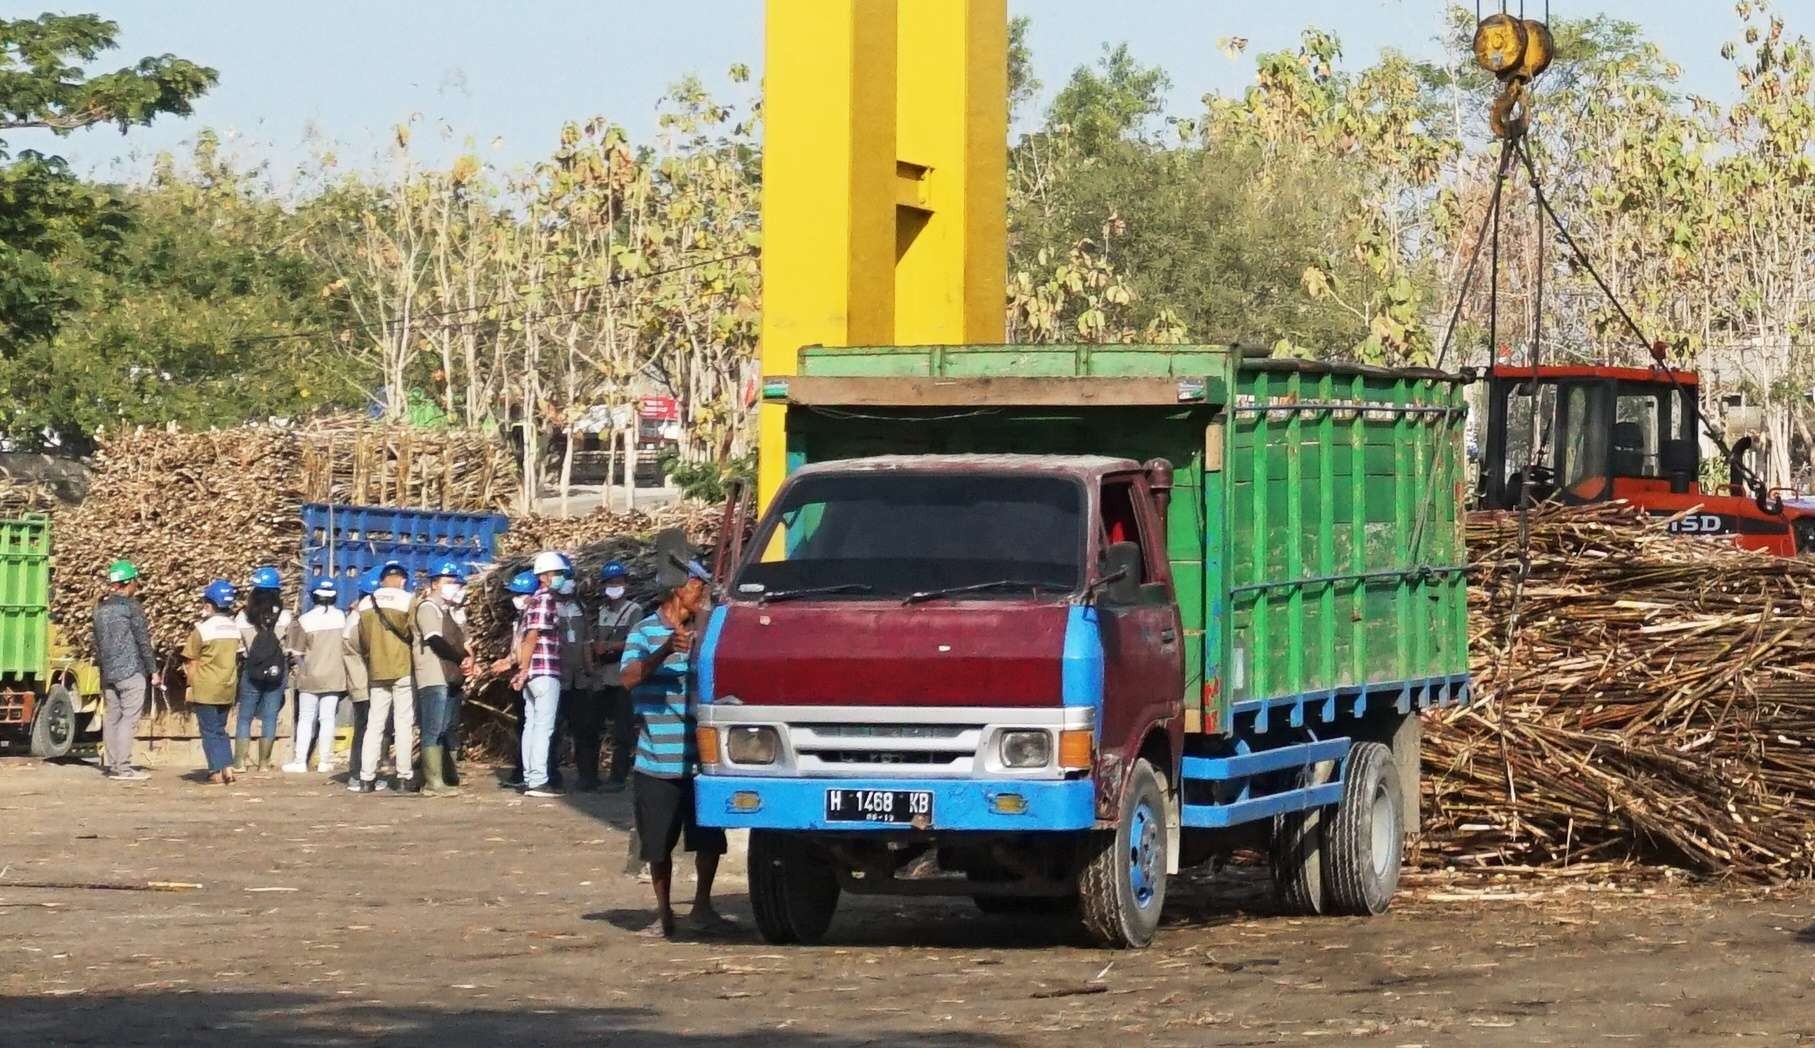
{"x": 265, "y": 746}
{"x": 433, "y": 785}
{"x": 240, "y": 746}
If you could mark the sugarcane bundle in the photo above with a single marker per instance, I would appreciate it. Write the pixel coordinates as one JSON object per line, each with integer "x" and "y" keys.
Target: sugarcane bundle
{"x": 1652, "y": 704}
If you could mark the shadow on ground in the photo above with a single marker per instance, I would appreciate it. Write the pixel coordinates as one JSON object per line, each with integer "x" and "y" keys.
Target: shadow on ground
{"x": 279, "y": 1020}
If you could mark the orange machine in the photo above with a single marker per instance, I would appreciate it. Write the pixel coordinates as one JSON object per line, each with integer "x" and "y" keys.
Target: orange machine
{"x": 1604, "y": 433}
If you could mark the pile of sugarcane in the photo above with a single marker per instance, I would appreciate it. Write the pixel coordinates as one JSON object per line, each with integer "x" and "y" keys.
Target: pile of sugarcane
{"x": 1654, "y": 703}
{"x": 190, "y": 507}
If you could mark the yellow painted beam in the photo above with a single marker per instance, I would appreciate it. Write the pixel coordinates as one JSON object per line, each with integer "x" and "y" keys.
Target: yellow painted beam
{"x": 951, "y": 113}
{"x": 884, "y": 182}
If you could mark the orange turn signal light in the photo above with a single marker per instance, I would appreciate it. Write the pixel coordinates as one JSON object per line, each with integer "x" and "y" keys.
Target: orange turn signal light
{"x": 1075, "y": 748}
{"x": 708, "y": 744}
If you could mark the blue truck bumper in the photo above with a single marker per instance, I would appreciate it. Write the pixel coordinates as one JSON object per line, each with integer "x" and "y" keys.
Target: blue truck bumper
{"x": 752, "y": 802}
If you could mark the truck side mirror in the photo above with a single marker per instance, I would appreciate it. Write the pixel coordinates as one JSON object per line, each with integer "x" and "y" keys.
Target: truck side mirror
{"x": 1120, "y": 582}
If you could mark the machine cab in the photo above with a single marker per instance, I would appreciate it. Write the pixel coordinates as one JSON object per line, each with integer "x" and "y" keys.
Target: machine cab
{"x": 1600, "y": 433}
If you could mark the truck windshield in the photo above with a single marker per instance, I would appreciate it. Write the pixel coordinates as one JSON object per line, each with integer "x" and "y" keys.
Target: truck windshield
{"x": 892, "y": 534}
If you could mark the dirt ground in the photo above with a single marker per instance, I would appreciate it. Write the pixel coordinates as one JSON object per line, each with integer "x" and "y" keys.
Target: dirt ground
{"x": 326, "y": 918}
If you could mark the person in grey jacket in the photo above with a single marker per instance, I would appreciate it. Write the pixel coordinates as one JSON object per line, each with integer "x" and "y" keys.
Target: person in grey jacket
{"x": 123, "y": 650}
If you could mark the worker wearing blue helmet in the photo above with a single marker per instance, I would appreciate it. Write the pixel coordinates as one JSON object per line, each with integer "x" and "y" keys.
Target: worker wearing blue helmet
{"x": 442, "y": 664}
{"x": 385, "y": 639}
{"x": 211, "y": 663}
{"x": 521, "y": 587}
{"x": 264, "y": 625}
{"x": 357, "y": 690}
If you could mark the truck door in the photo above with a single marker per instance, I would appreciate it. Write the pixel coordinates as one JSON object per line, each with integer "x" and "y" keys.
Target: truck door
{"x": 1143, "y": 650}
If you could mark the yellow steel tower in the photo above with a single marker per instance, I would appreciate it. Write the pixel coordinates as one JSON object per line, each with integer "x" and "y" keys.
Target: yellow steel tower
{"x": 884, "y": 181}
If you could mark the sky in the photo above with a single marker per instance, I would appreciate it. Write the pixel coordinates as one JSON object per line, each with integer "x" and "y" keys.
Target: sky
{"x": 506, "y": 74}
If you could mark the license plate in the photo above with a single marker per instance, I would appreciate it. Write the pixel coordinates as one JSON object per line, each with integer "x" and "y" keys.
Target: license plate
{"x": 903, "y": 806}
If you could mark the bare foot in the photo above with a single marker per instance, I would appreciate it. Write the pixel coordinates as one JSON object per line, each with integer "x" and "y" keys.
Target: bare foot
{"x": 660, "y": 928}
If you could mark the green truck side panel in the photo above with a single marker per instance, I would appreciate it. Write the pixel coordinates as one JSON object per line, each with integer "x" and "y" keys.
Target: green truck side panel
{"x": 1325, "y": 553}
{"x": 24, "y": 598}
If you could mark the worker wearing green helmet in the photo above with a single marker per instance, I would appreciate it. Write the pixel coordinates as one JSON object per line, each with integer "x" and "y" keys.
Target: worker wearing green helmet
{"x": 128, "y": 668}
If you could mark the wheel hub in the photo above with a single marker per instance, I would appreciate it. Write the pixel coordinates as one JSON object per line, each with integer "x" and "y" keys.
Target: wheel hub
{"x": 1385, "y": 830}
{"x": 1143, "y": 856}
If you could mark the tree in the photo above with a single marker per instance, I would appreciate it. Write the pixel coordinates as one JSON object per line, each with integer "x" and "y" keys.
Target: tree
{"x": 50, "y": 223}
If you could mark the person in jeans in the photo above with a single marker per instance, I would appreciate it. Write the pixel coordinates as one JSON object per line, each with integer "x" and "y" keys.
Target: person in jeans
{"x": 358, "y": 695}
{"x": 441, "y": 663}
{"x": 211, "y": 664}
{"x": 264, "y": 668}
{"x": 611, "y": 625}
{"x": 656, "y": 667}
{"x": 539, "y": 673}
{"x": 385, "y": 641}
{"x": 128, "y": 667}
{"x": 321, "y": 676}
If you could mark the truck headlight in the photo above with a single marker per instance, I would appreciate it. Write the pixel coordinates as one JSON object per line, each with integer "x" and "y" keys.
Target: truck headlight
{"x": 1026, "y": 749}
{"x": 747, "y": 745}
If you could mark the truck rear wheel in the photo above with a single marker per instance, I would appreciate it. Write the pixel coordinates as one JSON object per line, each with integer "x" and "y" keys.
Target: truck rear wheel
{"x": 54, "y": 725}
{"x": 1122, "y": 887}
{"x": 1297, "y": 851}
{"x": 1364, "y": 841}
{"x": 793, "y": 895}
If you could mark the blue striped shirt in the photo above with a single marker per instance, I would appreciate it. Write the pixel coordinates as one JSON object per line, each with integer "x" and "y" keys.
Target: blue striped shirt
{"x": 665, "y": 746}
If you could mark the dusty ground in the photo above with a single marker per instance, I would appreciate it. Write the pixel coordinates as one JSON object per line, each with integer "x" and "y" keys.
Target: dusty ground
{"x": 328, "y": 918}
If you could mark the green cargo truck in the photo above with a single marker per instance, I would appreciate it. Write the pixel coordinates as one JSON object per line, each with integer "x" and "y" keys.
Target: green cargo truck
{"x": 49, "y": 702}
{"x": 1041, "y": 625}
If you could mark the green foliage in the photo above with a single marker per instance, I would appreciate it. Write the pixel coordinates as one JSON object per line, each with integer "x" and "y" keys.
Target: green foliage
{"x": 43, "y": 85}
{"x": 708, "y": 481}
{"x": 1114, "y": 101}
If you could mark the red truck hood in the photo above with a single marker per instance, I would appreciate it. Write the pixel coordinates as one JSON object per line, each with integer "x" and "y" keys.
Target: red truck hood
{"x": 846, "y": 653}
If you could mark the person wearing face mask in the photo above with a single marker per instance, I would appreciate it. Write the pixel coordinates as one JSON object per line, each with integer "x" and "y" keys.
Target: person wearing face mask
{"x": 521, "y": 587}
{"x": 578, "y": 708}
{"x": 439, "y": 663}
{"x": 617, "y": 614}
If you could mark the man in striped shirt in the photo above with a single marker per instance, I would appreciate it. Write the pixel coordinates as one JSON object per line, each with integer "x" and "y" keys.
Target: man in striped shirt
{"x": 655, "y": 667}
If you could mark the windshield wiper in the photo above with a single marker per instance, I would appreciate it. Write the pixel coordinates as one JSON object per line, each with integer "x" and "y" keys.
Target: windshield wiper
{"x": 934, "y": 594}
{"x": 814, "y": 591}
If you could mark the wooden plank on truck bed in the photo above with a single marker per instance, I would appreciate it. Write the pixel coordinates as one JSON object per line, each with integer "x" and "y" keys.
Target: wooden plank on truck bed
{"x": 919, "y": 392}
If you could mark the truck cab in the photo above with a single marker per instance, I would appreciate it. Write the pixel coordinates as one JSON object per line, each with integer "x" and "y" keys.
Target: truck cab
{"x": 1042, "y": 641}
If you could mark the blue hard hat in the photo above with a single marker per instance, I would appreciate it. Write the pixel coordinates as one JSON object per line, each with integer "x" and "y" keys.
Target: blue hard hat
{"x": 220, "y": 593}
{"x": 613, "y": 569}
{"x": 368, "y": 582}
{"x": 325, "y": 587}
{"x": 524, "y": 582}
{"x": 448, "y": 569}
{"x": 392, "y": 565}
{"x": 267, "y": 578}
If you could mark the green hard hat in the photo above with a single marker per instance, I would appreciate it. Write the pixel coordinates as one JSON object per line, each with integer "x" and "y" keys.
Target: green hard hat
{"x": 122, "y": 571}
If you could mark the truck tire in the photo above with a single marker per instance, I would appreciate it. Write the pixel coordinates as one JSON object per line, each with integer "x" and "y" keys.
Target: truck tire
{"x": 54, "y": 725}
{"x": 1364, "y": 840}
{"x": 1122, "y": 886}
{"x": 1296, "y": 852}
{"x": 793, "y": 896}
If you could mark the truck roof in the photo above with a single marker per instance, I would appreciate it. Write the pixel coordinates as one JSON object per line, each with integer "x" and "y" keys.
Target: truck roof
{"x": 1076, "y": 465}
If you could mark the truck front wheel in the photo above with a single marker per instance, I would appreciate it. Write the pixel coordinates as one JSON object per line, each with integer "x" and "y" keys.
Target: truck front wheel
{"x": 792, "y": 892}
{"x": 1364, "y": 840}
{"x": 54, "y": 726}
{"x": 1122, "y": 886}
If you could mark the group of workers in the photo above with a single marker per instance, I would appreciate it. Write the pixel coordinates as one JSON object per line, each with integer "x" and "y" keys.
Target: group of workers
{"x": 401, "y": 659}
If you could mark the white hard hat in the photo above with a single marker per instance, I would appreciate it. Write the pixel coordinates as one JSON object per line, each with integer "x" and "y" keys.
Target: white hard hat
{"x": 547, "y": 561}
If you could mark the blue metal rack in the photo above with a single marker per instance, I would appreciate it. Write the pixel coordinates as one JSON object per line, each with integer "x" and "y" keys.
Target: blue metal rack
{"x": 346, "y": 541}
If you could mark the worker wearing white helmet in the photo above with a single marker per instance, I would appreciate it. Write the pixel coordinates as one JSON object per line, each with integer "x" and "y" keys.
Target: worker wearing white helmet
{"x": 539, "y": 672}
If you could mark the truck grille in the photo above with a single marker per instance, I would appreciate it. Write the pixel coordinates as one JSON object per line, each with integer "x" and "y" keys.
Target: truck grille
{"x": 886, "y": 757}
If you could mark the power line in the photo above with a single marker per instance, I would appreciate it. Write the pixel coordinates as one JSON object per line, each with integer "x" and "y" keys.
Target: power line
{"x": 621, "y": 279}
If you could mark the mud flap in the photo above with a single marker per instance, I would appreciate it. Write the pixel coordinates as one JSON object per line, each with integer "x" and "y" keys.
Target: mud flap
{"x": 1407, "y": 742}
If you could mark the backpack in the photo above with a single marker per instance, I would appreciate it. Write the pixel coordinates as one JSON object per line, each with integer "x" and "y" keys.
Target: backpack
{"x": 265, "y": 658}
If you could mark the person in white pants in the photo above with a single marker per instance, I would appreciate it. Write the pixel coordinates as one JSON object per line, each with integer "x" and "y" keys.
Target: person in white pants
{"x": 384, "y": 640}
{"x": 317, "y": 637}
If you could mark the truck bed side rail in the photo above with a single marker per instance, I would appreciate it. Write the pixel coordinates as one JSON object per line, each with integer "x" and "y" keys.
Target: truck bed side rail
{"x": 1246, "y": 768}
